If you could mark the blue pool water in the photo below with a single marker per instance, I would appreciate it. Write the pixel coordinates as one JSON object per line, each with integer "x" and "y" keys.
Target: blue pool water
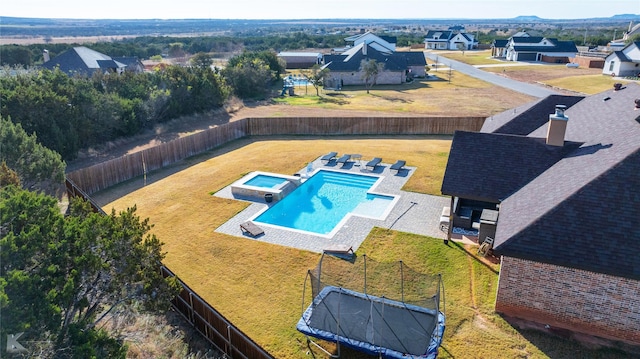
{"x": 265, "y": 181}
{"x": 323, "y": 201}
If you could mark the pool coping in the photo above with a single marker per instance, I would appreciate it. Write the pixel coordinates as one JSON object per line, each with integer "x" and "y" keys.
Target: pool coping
{"x": 413, "y": 213}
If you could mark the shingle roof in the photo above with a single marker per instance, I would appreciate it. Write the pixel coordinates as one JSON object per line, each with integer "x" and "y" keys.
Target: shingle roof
{"x": 525, "y": 119}
{"x": 490, "y": 167}
{"x": 442, "y": 35}
{"x": 583, "y": 211}
{"x": 350, "y": 60}
{"x": 562, "y": 48}
{"x": 82, "y": 60}
{"x": 621, "y": 56}
{"x": 526, "y": 39}
{"x": 500, "y": 43}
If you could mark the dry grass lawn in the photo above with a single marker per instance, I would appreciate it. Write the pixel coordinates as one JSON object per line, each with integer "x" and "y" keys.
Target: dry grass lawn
{"x": 463, "y": 96}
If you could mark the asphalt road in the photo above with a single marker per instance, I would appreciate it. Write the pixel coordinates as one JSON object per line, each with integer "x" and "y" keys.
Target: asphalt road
{"x": 525, "y": 88}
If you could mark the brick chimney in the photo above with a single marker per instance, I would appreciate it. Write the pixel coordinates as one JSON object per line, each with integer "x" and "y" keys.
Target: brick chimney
{"x": 557, "y": 126}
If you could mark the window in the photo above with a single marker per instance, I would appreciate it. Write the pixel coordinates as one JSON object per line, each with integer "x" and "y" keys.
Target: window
{"x": 611, "y": 65}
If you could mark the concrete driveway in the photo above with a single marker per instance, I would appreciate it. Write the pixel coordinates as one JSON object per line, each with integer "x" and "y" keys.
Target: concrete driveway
{"x": 525, "y": 88}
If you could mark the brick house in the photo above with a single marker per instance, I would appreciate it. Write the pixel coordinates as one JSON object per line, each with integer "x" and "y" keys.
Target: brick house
{"x": 344, "y": 68}
{"x": 566, "y": 189}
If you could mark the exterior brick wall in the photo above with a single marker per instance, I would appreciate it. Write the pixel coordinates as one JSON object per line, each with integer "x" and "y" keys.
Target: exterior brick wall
{"x": 576, "y": 300}
{"x": 355, "y": 78}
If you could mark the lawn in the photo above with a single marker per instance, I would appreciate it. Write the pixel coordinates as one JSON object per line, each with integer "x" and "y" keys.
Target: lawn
{"x": 421, "y": 97}
{"x": 474, "y": 57}
{"x": 259, "y": 286}
{"x": 580, "y": 80}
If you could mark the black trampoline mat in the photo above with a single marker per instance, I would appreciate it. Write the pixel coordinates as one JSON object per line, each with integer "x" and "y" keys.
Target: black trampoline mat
{"x": 377, "y": 321}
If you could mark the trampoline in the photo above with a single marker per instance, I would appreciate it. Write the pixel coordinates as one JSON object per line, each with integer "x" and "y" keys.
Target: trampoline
{"x": 373, "y": 324}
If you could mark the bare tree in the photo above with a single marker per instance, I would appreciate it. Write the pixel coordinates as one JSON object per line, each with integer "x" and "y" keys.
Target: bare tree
{"x": 371, "y": 69}
{"x": 316, "y": 76}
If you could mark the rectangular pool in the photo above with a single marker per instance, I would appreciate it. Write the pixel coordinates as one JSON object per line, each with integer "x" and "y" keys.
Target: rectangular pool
{"x": 326, "y": 200}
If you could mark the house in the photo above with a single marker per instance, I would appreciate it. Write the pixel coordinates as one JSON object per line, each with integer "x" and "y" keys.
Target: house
{"x": 344, "y": 68}
{"x": 388, "y": 42}
{"x": 449, "y": 40}
{"x": 300, "y": 60}
{"x": 533, "y": 48}
{"x": 133, "y": 64}
{"x": 499, "y": 48}
{"x": 560, "y": 190}
{"x": 82, "y": 60}
{"x": 625, "y": 62}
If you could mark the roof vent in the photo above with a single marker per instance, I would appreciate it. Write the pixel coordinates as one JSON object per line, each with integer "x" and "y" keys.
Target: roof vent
{"x": 637, "y": 102}
{"x": 617, "y": 86}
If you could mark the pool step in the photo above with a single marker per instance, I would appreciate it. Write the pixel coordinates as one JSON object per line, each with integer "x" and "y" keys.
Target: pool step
{"x": 354, "y": 180}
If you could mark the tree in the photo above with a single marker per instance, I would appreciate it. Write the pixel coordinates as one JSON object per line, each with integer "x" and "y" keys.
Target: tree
{"x": 36, "y": 166}
{"x": 8, "y": 176}
{"x": 370, "y": 69}
{"x": 201, "y": 60}
{"x": 62, "y": 276}
{"x": 315, "y": 76}
{"x": 461, "y": 47}
{"x": 249, "y": 78}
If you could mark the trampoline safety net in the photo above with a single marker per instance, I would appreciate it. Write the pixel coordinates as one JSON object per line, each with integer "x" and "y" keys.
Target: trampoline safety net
{"x": 384, "y": 309}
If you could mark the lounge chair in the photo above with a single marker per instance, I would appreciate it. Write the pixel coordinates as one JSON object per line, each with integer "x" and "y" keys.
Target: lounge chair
{"x": 373, "y": 163}
{"x": 340, "y": 250}
{"x": 399, "y": 165}
{"x": 344, "y": 159}
{"x": 328, "y": 157}
{"x": 251, "y": 228}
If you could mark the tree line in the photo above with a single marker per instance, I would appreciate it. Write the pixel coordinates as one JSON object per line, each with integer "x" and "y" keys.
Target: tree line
{"x": 69, "y": 113}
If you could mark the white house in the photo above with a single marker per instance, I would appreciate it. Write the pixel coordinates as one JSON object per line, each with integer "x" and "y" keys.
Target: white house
{"x": 625, "y": 62}
{"x": 530, "y": 48}
{"x": 449, "y": 40}
{"x": 388, "y": 42}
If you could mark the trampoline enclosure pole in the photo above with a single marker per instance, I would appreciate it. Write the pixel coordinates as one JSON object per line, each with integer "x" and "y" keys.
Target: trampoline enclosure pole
{"x": 401, "y": 282}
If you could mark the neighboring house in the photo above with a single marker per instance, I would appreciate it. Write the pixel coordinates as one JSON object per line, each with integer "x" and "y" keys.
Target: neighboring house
{"x": 449, "y": 40}
{"x": 499, "y": 48}
{"x": 84, "y": 61}
{"x": 133, "y": 64}
{"x": 344, "y": 68}
{"x": 530, "y": 48}
{"x": 301, "y": 60}
{"x": 625, "y": 62}
{"x": 618, "y": 44}
{"x": 388, "y": 42}
{"x": 560, "y": 192}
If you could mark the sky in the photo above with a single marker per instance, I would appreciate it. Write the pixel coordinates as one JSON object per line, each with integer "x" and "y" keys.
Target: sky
{"x": 325, "y": 9}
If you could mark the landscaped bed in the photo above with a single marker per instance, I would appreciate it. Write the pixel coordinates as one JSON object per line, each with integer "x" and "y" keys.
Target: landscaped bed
{"x": 258, "y": 286}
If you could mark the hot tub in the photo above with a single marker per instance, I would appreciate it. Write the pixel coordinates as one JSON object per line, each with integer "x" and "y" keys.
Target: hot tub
{"x": 257, "y": 184}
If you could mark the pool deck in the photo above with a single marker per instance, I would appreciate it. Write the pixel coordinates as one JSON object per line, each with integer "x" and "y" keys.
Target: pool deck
{"x": 413, "y": 213}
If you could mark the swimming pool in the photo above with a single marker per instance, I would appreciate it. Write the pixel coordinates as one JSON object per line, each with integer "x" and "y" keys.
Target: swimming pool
{"x": 326, "y": 200}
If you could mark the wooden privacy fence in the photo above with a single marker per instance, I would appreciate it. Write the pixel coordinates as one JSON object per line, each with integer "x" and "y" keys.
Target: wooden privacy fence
{"x": 207, "y": 321}
{"x": 117, "y": 170}
{"x": 213, "y": 326}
